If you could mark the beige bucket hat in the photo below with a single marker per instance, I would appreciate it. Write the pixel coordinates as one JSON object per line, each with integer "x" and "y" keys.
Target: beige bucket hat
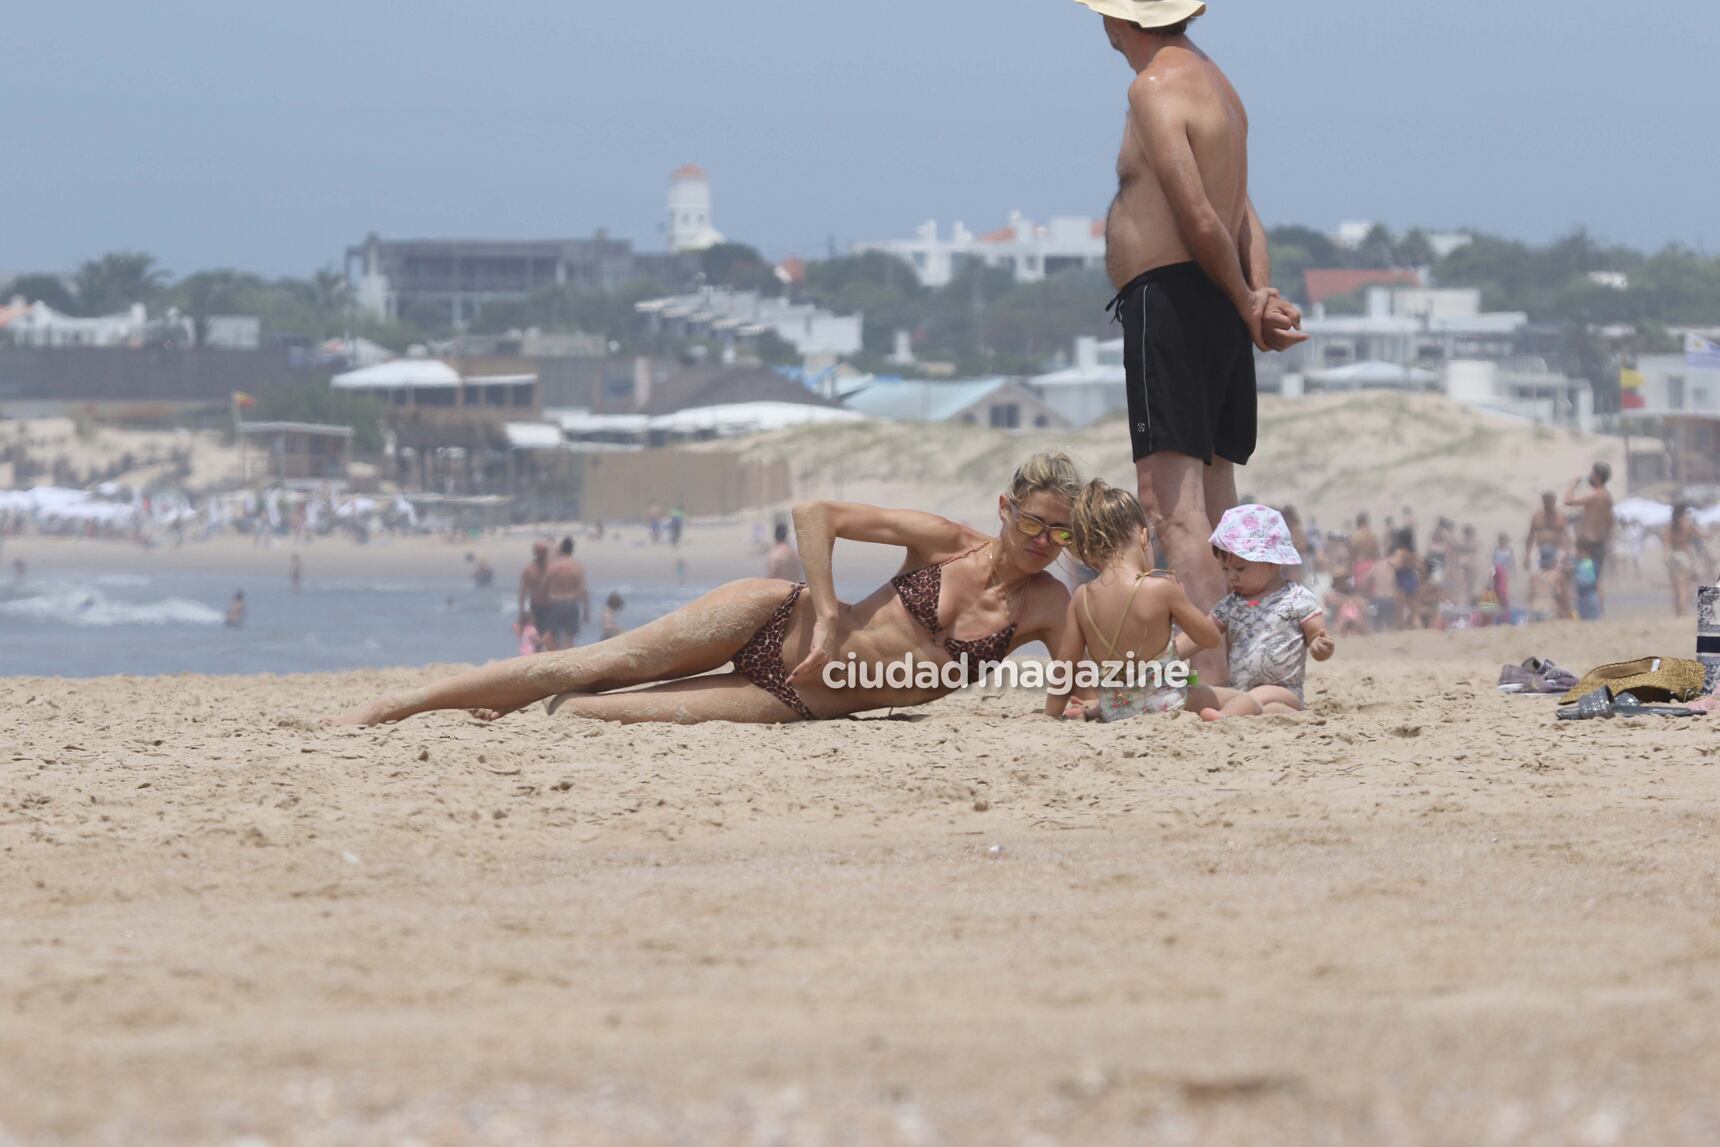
{"x": 1147, "y": 13}
{"x": 1650, "y": 678}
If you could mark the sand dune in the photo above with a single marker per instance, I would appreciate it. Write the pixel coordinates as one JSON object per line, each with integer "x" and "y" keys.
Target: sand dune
{"x": 1420, "y": 914}
{"x": 1330, "y": 455}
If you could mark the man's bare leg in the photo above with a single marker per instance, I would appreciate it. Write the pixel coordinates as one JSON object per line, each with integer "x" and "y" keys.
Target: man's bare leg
{"x": 1173, "y": 492}
{"x": 1219, "y": 482}
{"x": 696, "y": 638}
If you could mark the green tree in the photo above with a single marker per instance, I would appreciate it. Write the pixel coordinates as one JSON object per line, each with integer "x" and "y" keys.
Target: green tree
{"x": 38, "y": 288}
{"x": 1414, "y": 250}
{"x": 880, "y": 287}
{"x": 740, "y": 267}
{"x": 1320, "y": 248}
{"x": 117, "y": 280}
{"x": 209, "y": 293}
{"x": 1379, "y": 249}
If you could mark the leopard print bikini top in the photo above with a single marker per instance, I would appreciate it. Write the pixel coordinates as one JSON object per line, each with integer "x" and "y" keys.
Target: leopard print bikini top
{"x": 920, "y": 590}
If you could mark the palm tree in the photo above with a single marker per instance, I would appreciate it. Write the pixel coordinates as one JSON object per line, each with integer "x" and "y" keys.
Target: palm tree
{"x": 116, "y": 281}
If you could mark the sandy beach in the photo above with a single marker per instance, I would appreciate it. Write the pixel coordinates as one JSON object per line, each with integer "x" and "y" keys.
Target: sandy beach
{"x": 1421, "y": 913}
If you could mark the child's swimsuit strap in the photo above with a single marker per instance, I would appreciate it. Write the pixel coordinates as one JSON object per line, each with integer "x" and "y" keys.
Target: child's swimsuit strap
{"x": 1128, "y": 608}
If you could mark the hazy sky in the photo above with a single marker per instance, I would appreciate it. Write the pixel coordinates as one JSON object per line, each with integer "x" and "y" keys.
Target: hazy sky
{"x": 268, "y": 136}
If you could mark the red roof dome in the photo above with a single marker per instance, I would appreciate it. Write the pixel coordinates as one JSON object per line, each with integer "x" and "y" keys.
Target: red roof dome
{"x": 689, "y": 171}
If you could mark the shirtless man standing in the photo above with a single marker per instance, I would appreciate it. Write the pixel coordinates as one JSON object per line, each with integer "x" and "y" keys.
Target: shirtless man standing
{"x": 567, "y": 600}
{"x": 1188, "y": 256}
{"x": 1549, "y": 535}
{"x": 1548, "y": 539}
{"x": 1595, "y": 528}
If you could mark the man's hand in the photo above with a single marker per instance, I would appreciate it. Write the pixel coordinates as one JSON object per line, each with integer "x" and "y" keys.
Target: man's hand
{"x": 1283, "y": 326}
{"x": 1253, "y": 310}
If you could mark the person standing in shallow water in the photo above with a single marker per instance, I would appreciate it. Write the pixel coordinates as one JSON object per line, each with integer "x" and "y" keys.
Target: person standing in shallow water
{"x": 782, "y": 562}
{"x": 567, "y": 600}
{"x": 1187, "y": 253}
{"x": 533, "y": 593}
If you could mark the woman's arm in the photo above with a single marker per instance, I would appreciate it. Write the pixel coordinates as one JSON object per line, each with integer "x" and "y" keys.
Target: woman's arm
{"x": 1066, "y": 649}
{"x": 817, "y": 525}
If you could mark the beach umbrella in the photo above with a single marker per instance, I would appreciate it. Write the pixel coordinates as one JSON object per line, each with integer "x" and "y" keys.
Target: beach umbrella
{"x": 1643, "y": 512}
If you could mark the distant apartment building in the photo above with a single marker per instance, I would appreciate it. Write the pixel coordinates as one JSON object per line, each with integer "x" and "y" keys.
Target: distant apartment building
{"x": 1409, "y": 326}
{"x": 1028, "y": 250}
{"x": 734, "y": 316}
{"x": 1672, "y": 385}
{"x": 440, "y": 283}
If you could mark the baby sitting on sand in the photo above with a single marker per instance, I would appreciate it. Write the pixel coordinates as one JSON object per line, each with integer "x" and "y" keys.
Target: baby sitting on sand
{"x": 1270, "y": 624}
{"x": 1130, "y": 606}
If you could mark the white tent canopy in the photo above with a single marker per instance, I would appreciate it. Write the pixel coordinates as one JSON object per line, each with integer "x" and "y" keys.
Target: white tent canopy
{"x": 582, "y": 421}
{"x": 401, "y": 374}
{"x": 1642, "y": 512}
{"x": 749, "y": 417}
{"x": 533, "y": 435}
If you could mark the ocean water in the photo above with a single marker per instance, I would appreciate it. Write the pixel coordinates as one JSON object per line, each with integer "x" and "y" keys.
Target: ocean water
{"x": 73, "y": 624}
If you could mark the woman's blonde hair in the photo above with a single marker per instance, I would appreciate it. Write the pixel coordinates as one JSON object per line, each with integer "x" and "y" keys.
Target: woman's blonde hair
{"x": 1107, "y": 521}
{"x": 1052, "y": 472}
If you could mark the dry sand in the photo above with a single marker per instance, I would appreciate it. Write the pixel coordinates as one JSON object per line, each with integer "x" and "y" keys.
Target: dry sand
{"x": 1420, "y": 914}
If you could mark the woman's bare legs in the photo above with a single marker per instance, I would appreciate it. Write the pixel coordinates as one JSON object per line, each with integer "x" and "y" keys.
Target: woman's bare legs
{"x": 723, "y": 697}
{"x": 696, "y": 638}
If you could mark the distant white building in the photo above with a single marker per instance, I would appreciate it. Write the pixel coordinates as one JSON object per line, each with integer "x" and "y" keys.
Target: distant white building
{"x": 1416, "y": 326}
{"x": 690, "y": 227}
{"x": 1030, "y": 251}
{"x": 1671, "y": 386}
{"x": 1090, "y": 388}
{"x": 39, "y": 325}
{"x": 734, "y": 315}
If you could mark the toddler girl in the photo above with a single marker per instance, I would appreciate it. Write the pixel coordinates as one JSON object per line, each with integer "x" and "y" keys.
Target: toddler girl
{"x": 1270, "y": 624}
{"x": 1128, "y": 607}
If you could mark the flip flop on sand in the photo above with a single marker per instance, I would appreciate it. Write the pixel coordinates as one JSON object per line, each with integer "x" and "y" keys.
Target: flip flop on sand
{"x": 1600, "y": 703}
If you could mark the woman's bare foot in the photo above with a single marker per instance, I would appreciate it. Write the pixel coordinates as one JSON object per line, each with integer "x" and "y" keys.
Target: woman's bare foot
{"x": 375, "y": 713}
{"x": 1211, "y": 715}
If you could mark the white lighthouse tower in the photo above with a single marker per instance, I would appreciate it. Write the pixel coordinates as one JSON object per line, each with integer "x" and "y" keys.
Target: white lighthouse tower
{"x": 690, "y": 211}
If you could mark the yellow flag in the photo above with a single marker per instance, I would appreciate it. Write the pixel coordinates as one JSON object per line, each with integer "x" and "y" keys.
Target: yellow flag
{"x": 1629, "y": 379}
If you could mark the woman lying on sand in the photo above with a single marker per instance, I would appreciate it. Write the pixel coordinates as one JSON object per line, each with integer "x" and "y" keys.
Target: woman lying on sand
{"x": 959, "y": 592}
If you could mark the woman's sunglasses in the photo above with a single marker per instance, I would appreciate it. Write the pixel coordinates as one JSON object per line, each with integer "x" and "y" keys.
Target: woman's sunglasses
{"x": 1037, "y": 528}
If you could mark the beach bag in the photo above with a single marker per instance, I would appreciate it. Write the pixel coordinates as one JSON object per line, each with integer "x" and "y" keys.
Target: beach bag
{"x": 1708, "y": 635}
